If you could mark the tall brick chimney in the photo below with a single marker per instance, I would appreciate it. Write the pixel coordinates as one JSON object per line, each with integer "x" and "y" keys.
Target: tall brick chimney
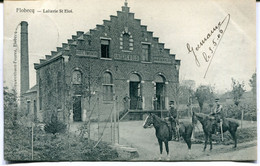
{"x": 24, "y": 77}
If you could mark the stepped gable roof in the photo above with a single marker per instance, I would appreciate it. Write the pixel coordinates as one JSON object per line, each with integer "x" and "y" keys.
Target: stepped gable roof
{"x": 80, "y": 37}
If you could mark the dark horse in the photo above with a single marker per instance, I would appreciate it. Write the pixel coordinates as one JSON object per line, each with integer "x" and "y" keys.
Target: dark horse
{"x": 210, "y": 125}
{"x": 163, "y": 131}
{"x": 184, "y": 130}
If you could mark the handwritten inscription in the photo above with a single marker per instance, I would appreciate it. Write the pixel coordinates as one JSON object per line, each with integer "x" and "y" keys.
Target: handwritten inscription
{"x": 209, "y": 44}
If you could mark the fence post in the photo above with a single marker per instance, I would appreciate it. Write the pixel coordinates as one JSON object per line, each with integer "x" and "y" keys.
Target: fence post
{"x": 111, "y": 126}
{"x": 117, "y": 112}
{"x": 32, "y": 140}
{"x": 242, "y": 118}
{"x": 114, "y": 118}
{"x": 98, "y": 115}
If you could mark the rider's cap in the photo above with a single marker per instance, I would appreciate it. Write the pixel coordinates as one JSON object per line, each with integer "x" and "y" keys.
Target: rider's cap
{"x": 217, "y": 99}
{"x": 171, "y": 102}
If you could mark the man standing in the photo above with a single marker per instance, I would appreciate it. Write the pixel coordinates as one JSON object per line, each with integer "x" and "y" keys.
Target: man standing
{"x": 126, "y": 101}
{"x": 173, "y": 117}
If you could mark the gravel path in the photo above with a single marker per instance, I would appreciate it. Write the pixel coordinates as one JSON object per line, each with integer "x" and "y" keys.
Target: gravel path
{"x": 148, "y": 148}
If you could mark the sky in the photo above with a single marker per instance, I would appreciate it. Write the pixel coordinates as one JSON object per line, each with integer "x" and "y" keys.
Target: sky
{"x": 176, "y": 23}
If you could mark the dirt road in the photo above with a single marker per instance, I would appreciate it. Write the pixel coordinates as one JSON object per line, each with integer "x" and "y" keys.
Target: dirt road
{"x": 146, "y": 143}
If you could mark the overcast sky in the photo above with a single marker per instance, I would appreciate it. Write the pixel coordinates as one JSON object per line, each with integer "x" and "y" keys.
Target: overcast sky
{"x": 176, "y": 23}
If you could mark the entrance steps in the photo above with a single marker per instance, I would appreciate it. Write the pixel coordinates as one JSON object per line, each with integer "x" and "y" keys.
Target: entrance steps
{"x": 125, "y": 152}
{"x": 141, "y": 114}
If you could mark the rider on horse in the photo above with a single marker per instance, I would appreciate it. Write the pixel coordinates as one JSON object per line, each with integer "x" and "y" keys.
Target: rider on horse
{"x": 218, "y": 113}
{"x": 173, "y": 117}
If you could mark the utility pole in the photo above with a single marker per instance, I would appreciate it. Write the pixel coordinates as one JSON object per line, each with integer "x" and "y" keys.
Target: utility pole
{"x": 117, "y": 120}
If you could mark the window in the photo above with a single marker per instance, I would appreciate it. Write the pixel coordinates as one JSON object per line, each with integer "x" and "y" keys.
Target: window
{"x": 107, "y": 87}
{"x": 126, "y": 41}
{"x": 105, "y": 49}
{"x": 76, "y": 77}
{"x": 28, "y": 107}
{"x": 146, "y": 52}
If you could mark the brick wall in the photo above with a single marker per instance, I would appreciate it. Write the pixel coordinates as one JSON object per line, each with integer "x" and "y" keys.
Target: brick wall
{"x": 83, "y": 53}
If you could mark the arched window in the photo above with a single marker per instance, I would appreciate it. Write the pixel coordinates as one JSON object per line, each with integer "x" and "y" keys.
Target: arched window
{"x": 126, "y": 37}
{"x": 159, "y": 79}
{"x": 107, "y": 87}
{"x": 76, "y": 77}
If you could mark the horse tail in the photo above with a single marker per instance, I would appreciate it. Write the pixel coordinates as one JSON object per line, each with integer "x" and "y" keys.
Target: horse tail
{"x": 170, "y": 132}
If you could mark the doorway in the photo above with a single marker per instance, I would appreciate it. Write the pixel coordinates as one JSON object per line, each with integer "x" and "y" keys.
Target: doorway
{"x": 160, "y": 95}
{"x": 77, "y": 109}
{"x": 135, "y": 95}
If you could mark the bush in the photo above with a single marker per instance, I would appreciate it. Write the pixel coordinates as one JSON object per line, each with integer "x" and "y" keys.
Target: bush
{"x": 67, "y": 147}
{"x": 47, "y": 147}
{"x": 55, "y": 126}
{"x": 233, "y": 111}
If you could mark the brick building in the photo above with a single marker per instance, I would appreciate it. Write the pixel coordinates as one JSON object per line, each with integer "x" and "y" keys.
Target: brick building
{"x": 118, "y": 60}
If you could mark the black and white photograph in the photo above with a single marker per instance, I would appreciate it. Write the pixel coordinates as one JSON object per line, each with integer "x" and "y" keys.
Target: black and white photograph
{"x": 130, "y": 80}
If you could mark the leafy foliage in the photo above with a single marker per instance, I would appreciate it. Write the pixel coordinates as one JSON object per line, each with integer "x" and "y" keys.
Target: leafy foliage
{"x": 252, "y": 82}
{"x": 237, "y": 91}
{"x": 55, "y": 126}
{"x": 234, "y": 111}
{"x": 61, "y": 147}
{"x": 203, "y": 94}
{"x": 10, "y": 108}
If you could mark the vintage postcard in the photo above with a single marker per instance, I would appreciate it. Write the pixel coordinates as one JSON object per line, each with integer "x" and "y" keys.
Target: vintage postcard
{"x": 130, "y": 80}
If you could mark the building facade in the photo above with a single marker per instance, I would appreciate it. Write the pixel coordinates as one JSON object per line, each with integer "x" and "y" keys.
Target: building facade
{"x": 116, "y": 62}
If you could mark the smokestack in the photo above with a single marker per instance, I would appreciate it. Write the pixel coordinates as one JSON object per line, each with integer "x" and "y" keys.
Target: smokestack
{"x": 24, "y": 58}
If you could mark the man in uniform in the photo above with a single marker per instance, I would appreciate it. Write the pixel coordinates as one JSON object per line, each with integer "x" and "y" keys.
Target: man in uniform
{"x": 173, "y": 117}
{"x": 218, "y": 113}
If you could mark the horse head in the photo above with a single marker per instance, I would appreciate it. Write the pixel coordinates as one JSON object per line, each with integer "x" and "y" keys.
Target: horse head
{"x": 149, "y": 121}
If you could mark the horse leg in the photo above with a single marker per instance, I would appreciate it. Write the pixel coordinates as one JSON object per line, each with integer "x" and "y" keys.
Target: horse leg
{"x": 233, "y": 134}
{"x": 206, "y": 141}
{"x": 187, "y": 139}
{"x": 167, "y": 149}
{"x": 210, "y": 141}
{"x": 189, "y": 143}
{"x": 161, "y": 149}
{"x": 188, "y": 135}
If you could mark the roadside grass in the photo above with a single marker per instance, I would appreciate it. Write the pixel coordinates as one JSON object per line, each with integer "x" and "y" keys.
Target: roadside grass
{"x": 243, "y": 135}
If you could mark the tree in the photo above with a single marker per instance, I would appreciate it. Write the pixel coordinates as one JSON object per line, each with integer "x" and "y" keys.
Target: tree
{"x": 177, "y": 92}
{"x": 204, "y": 93}
{"x": 252, "y": 83}
{"x": 10, "y": 107}
{"x": 187, "y": 96}
{"x": 237, "y": 91}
